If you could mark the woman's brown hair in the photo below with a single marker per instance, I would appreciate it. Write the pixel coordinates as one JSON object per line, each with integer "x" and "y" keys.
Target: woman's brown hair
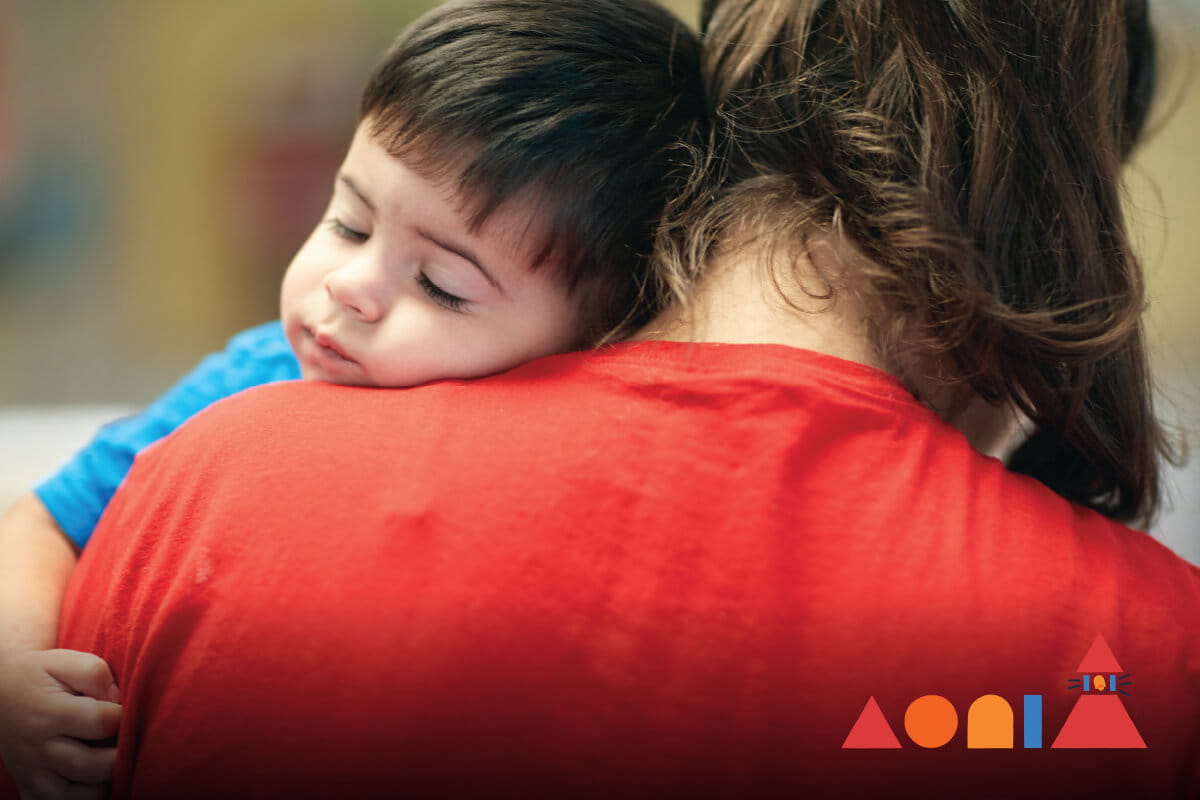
{"x": 972, "y": 151}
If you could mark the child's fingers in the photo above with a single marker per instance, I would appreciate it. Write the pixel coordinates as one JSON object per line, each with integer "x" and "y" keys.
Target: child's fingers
{"x": 84, "y": 673}
{"x": 84, "y": 718}
{"x": 78, "y": 762}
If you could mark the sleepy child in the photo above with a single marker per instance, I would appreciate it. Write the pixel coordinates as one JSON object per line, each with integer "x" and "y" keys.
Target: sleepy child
{"x": 497, "y": 203}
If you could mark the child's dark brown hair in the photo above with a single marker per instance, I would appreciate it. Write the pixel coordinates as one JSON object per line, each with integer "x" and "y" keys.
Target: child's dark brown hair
{"x": 576, "y": 106}
{"x": 972, "y": 150}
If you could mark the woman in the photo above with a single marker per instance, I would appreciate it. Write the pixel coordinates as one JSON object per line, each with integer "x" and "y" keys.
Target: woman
{"x": 964, "y": 178}
{"x": 737, "y": 557}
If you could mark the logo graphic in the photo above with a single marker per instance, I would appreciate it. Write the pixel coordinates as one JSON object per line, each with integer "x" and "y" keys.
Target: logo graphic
{"x": 1098, "y": 719}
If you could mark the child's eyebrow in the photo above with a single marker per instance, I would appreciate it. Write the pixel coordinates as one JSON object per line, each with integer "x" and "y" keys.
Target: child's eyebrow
{"x": 345, "y": 179}
{"x": 460, "y": 250}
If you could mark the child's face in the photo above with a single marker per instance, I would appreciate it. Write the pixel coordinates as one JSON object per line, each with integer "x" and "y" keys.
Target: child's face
{"x": 393, "y": 288}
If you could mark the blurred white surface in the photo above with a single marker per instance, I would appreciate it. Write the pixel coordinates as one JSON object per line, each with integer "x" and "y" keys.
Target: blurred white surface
{"x": 1179, "y": 528}
{"x": 35, "y": 440}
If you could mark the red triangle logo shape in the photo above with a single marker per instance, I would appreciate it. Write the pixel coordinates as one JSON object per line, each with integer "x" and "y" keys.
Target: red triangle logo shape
{"x": 871, "y": 731}
{"x": 1099, "y": 658}
{"x": 1099, "y": 721}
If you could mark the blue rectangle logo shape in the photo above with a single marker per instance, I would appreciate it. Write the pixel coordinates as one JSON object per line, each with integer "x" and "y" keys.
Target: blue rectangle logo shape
{"x": 1033, "y": 721}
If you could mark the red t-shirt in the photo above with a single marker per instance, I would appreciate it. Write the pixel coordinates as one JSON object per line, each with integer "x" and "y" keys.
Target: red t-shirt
{"x": 652, "y": 570}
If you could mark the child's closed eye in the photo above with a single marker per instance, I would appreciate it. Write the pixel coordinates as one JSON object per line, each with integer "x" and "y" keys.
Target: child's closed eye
{"x": 440, "y": 296}
{"x": 339, "y": 228}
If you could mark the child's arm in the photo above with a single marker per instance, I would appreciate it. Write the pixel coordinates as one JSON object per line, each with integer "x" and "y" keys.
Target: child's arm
{"x": 49, "y": 699}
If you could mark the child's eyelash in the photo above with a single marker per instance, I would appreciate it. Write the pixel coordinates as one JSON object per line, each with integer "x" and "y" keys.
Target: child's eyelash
{"x": 340, "y": 229}
{"x": 440, "y": 296}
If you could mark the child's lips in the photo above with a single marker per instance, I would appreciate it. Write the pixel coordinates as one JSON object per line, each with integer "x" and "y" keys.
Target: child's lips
{"x": 329, "y": 346}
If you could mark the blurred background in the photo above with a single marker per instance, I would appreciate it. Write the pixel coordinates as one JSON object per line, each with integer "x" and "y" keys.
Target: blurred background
{"x": 161, "y": 161}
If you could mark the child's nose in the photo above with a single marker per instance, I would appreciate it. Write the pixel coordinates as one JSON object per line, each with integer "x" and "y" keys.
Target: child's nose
{"x": 355, "y": 293}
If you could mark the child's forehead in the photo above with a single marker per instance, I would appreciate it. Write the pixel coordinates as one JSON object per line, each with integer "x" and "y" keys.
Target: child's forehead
{"x": 445, "y": 166}
{"x": 518, "y": 213}
{"x": 444, "y": 170}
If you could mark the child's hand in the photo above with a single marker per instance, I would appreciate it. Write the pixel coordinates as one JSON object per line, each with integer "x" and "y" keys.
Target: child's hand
{"x": 50, "y": 700}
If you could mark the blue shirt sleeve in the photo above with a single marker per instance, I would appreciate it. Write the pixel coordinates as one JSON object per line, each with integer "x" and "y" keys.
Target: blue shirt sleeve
{"x": 78, "y": 493}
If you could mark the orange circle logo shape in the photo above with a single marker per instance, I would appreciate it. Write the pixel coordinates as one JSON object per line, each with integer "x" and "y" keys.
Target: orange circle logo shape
{"x": 930, "y": 721}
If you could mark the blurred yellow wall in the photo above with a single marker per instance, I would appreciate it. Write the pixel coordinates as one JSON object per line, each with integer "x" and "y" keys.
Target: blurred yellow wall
{"x": 1165, "y": 208}
{"x": 171, "y": 125}
{"x": 1165, "y": 212}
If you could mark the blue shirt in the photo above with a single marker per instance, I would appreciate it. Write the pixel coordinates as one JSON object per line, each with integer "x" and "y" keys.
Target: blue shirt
{"x": 79, "y": 492}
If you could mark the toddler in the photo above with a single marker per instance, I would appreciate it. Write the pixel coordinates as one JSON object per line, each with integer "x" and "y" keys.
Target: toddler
{"x": 498, "y": 203}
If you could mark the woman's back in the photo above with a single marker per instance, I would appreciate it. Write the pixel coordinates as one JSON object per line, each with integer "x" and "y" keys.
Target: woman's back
{"x": 659, "y": 569}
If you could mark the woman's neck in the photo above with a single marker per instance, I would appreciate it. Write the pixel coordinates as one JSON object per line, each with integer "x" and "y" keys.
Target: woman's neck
{"x": 738, "y": 303}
